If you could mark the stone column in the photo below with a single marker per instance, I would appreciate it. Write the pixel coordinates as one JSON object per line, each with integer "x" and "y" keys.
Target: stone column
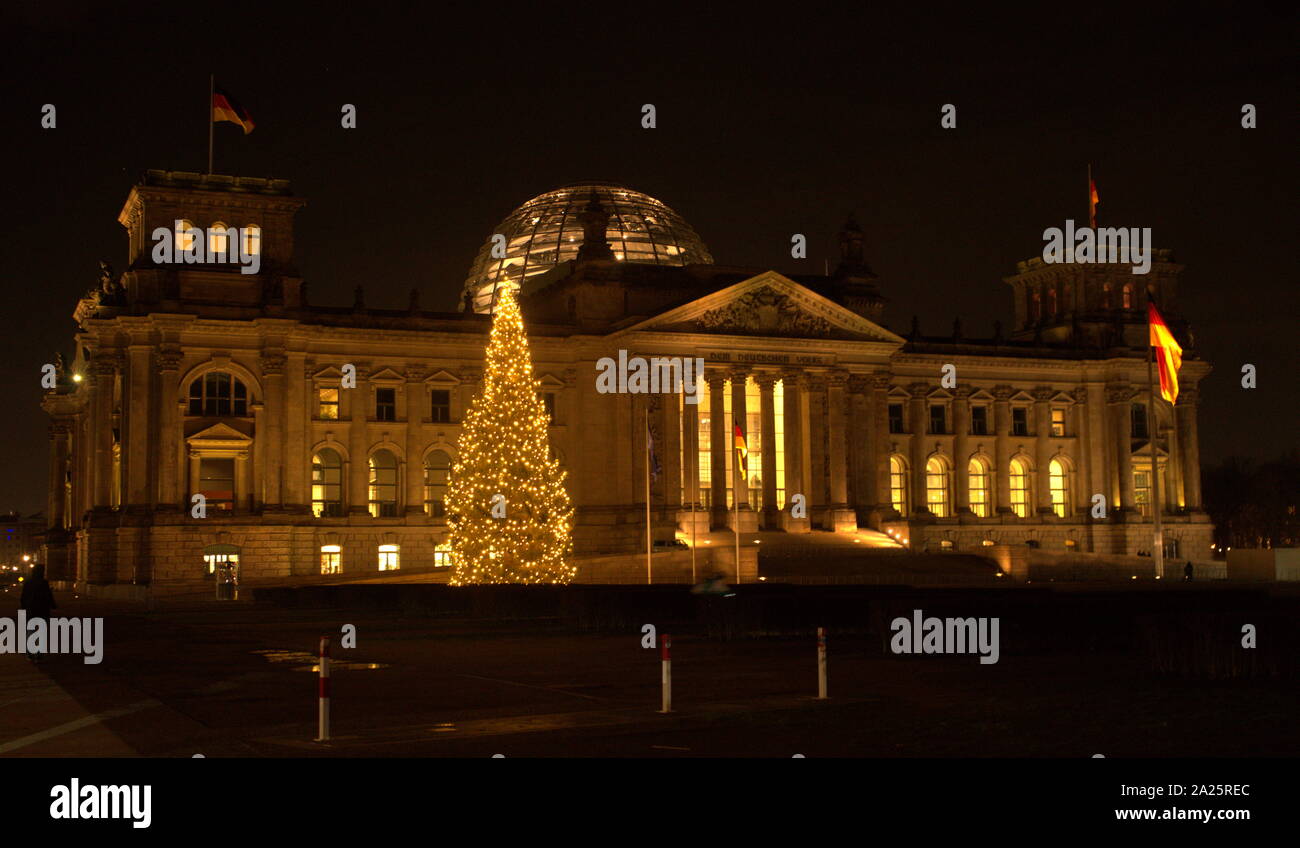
{"x": 668, "y": 449}
{"x": 1176, "y": 498}
{"x": 718, "y": 447}
{"x": 297, "y": 449}
{"x": 1002, "y": 447}
{"x": 690, "y": 425}
{"x": 961, "y": 448}
{"x": 767, "y": 411}
{"x": 359, "y": 462}
{"x": 818, "y": 485}
{"x": 1188, "y": 441}
{"x": 862, "y": 485}
{"x": 272, "y": 468}
{"x": 54, "y": 504}
{"x": 136, "y": 444}
{"x": 739, "y": 417}
{"x": 104, "y": 367}
{"x": 842, "y": 518}
{"x": 796, "y": 449}
{"x": 920, "y": 428}
{"x": 243, "y": 493}
{"x": 1120, "y": 401}
{"x": 192, "y": 485}
{"x": 881, "y": 441}
{"x": 416, "y": 403}
{"x": 1042, "y": 448}
{"x": 260, "y": 448}
{"x": 169, "y": 430}
{"x": 1082, "y": 424}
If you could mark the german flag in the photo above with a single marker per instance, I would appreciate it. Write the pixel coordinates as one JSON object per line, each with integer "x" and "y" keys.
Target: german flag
{"x": 1093, "y": 202}
{"x": 226, "y": 108}
{"x": 742, "y": 452}
{"x": 1169, "y": 356}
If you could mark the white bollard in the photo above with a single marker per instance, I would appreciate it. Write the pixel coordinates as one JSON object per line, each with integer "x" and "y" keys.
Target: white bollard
{"x": 324, "y": 690}
{"x": 821, "y": 663}
{"x": 666, "y": 655}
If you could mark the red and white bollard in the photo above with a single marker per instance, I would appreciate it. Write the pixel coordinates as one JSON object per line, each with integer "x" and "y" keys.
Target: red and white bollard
{"x": 324, "y": 690}
{"x": 821, "y": 663}
{"x": 665, "y": 648}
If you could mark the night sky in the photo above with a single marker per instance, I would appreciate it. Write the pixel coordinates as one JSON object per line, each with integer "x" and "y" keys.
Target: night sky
{"x": 769, "y": 123}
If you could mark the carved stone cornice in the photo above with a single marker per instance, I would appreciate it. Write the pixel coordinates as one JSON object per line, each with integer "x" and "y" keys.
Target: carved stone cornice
{"x": 816, "y": 382}
{"x": 962, "y": 392}
{"x": 765, "y": 380}
{"x": 169, "y": 359}
{"x": 859, "y": 384}
{"x": 1120, "y": 394}
{"x": 271, "y": 364}
{"x": 880, "y": 382}
{"x": 1080, "y": 395}
{"x": 414, "y": 373}
{"x": 105, "y": 364}
{"x": 1042, "y": 394}
{"x": 1003, "y": 393}
{"x": 837, "y": 379}
{"x": 918, "y": 390}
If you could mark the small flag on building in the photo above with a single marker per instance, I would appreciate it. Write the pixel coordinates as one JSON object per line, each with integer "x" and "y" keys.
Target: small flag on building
{"x": 226, "y": 108}
{"x": 1093, "y": 202}
{"x": 742, "y": 451}
{"x": 1169, "y": 356}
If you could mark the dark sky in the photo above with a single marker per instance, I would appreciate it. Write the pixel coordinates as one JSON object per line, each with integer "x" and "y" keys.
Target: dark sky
{"x": 772, "y": 120}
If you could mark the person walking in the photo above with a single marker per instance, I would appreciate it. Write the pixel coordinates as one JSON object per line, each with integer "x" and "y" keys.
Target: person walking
{"x": 37, "y": 600}
{"x": 1187, "y": 571}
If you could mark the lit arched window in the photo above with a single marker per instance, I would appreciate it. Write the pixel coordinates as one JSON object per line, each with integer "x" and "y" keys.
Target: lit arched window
{"x": 1105, "y": 296}
{"x": 437, "y": 467}
{"x": 218, "y": 241}
{"x": 979, "y": 487}
{"x": 1058, "y": 480}
{"x": 218, "y": 393}
{"x": 1020, "y": 487}
{"x": 936, "y": 487}
{"x": 252, "y": 240}
{"x": 898, "y": 484}
{"x": 1034, "y": 306}
{"x": 1128, "y": 296}
{"x": 184, "y": 236}
{"x": 383, "y": 485}
{"x": 326, "y": 484}
{"x": 1051, "y": 301}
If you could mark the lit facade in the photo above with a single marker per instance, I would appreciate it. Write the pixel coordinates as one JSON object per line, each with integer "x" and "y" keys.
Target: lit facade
{"x": 197, "y": 379}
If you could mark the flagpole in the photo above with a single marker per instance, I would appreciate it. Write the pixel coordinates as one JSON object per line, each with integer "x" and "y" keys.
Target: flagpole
{"x": 648, "y": 578}
{"x": 212, "y": 92}
{"x": 735, "y": 504}
{"x": 1156, "y": 505}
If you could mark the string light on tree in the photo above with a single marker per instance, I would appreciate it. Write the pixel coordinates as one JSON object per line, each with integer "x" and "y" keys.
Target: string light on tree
{"x": 504, "y": 450}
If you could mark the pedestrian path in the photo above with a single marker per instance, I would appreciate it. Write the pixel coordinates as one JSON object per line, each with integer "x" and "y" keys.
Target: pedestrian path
{"x": 38, "y": 718}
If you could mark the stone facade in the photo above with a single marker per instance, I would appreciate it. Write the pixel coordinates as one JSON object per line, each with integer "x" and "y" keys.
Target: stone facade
{"x": 197, "y": 379}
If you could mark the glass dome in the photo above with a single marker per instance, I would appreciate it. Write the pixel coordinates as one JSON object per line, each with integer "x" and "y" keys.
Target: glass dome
{"x": 547, "y": 230}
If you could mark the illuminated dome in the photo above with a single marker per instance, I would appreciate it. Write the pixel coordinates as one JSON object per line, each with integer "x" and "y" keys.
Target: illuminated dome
{"x": 547, "y": 230}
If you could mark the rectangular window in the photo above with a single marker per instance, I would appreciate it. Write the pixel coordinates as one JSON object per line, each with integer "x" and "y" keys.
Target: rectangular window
{"x": 938, "y": 418}
{"x": 330, "y": 556}
{"x": 1058, "y": 421}
{"x": 440, "y": 409}
{"x": 1139, "y": 415}
{"x": 217, "y": 483}
{"x": 979, "y": 421}
{"x": 327, "y": 404}
{"x": 1019, "y": 421}
{"x": 442, "y": 556}
{"x": 385, "y": 404}
{"x": 388, "y": 558}
{"x": 895, "y": 418}
{"x": 1142, "y": 490}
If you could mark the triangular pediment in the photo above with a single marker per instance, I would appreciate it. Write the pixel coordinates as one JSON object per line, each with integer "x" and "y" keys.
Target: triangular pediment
{"x": 219, "y": 433}
{"x": 768, "y": 305}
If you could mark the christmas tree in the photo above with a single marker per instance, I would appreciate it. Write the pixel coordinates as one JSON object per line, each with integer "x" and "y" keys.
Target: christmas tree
{"x": 509, "y": 516}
